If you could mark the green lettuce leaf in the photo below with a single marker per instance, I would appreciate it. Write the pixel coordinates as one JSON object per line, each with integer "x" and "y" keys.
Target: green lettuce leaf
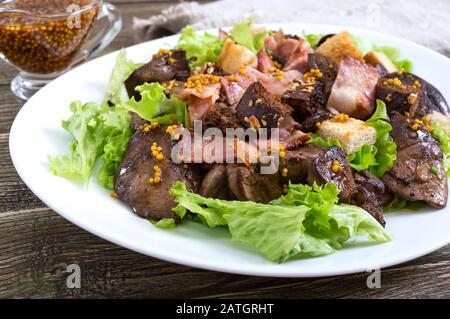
{"x": 386, "y": 149}
{"x": 165, "y": 223}
{"x": 115, "y": 91}
{"x": 399, "y": 203}
{"x": 441, "y": 133}
{"x": 320, "y": 200}
{"x": 306, "y": 222}
{"x": 394, "y": 55}
{"x": 364, "y": 45}
{"x": 117, "y": 132}
{"x": 327, "y": 143}
{"x": 376, "y": 159}
{"x": 244, "y": 34}
{"x": 326, "y": 220}
{"x": 154, "y": 106}
{"x": 313, "y": 39}
{"x": 355, "y": 221}
{"x": 86, "y": 130}
{"x": 275, "y": 231}
{"x": 97, "y": 131}
{"x": 364, "y": 158}
{"x": 204, "y": 48}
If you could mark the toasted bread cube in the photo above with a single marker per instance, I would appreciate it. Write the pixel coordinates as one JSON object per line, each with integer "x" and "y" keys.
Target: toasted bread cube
{"x": 374, "y": 58}
{"x": 439, "y": 118}
{"x": 339, "y": 46}
{"x": 233, "y": 56}
{"x": 351, "y": 133}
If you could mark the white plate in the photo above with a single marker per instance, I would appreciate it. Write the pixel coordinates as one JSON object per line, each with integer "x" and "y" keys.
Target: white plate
{"x": 37, "y": 132}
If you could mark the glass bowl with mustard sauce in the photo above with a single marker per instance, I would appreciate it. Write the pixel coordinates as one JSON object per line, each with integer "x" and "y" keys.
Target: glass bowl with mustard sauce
{"x": 45, "y": 38}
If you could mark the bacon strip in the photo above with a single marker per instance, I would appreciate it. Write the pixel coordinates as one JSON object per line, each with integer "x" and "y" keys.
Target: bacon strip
{"x": 264, "y": 61}
{"x": 353, "y": 91}
{"x": 200, "y": 101}
{"x": 219, "y": 149}
{"x": 234, "y": 89}
{"x": 199, "y": 108}
{"x": 293, "y": 51}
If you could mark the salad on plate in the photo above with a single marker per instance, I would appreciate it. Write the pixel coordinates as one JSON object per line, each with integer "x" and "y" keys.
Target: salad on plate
{"x": 297, "y": 144}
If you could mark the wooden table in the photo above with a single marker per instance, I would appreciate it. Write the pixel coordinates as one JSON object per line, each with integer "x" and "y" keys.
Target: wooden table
{"x": 36, "y": 244}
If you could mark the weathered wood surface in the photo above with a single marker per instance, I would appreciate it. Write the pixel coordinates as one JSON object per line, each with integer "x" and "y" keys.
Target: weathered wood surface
{"x": 36, "y": 244}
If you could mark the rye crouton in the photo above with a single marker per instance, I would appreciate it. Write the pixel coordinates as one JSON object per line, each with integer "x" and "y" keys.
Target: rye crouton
{"x": 437, "y": 117}
{"x": 233, "y": 56}
{"x": 375, "y": 58}
{"x": 339, "y": 46}
{"x": 351, "y": 133}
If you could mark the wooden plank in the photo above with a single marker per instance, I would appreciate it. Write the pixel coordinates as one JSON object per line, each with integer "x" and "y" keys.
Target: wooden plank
{"x": 36, "y": 247}
{"x": 14, "y": 194}
{"x": 9, "y": 106}
{"x": 36, "y": 244}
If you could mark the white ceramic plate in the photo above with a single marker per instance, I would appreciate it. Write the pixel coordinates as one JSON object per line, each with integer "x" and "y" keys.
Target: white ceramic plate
{"x": 37, "y": 132}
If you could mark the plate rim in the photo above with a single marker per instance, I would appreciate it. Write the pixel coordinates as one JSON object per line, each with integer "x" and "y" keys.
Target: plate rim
{"x": 105, "y": 234}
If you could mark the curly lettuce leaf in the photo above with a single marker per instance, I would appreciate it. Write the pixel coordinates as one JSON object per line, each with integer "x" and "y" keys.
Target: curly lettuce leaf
{"x": 365, "y": 45}
{"x": 377, "y": 159}
{"x": 244, "y": 34}
{"x": 327, "y": 220}
{"x": 355, "y": 221}
{"x": 313, "y": 39}
{"x": 399, "y": 203}
{"x": 86, "y": 130}
{"x": 203, "y": 47}
{"x": 117, "y": 133}
{"x": 275, "y": 231}
{"x": 97, "y": 131}
{"x": 394, "y": 55}
{"x": 154, "y": 106}
{"x": 306, "y": 222}
{"x": 314, "y": 196}
{"x": 327, "y": 143}
{"x": 441, "y": 133}
{"x": 115, "y": 93}
{"x": 386, "y": 149}
{"x": 165, "y": 223}
{"x": 364, "y": 158}
{"x": 320, "y": 200}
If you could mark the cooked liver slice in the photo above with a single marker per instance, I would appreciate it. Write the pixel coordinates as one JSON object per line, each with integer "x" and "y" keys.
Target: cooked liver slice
{"x": 246, "y": 183}
{"x": 431, "y": 99}
{"x": 418, "y": 154}
{"x": 215, "y": 183}
{"x": 159, "y": 70}
{"x": 132, "y": 185}
{"x": 321, "y": 173}
{"x": 269, "y": 112}
{"x": 328, "y": 68}
{"x": 312, "y": 164}
{"x": 371, "y": 195}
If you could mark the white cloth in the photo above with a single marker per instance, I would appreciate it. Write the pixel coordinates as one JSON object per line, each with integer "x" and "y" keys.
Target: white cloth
{"x": 425, "y": 22}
